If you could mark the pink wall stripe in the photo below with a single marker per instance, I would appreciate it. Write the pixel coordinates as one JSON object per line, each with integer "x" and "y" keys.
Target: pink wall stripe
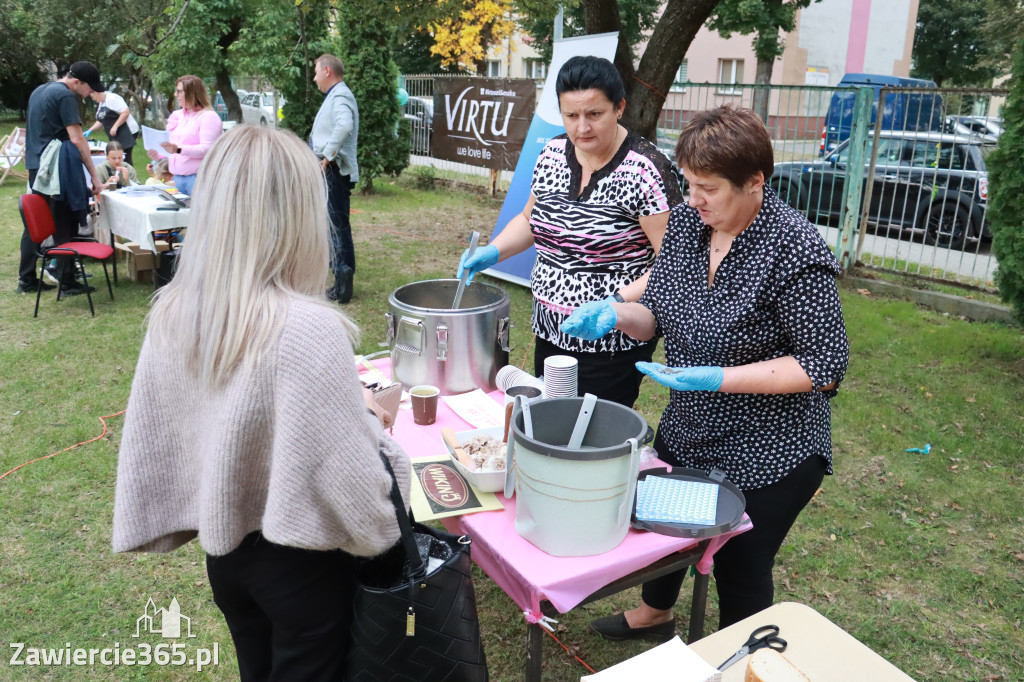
{"x": 857, "y": 46}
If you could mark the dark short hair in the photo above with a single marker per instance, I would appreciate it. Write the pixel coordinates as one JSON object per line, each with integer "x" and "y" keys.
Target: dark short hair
{"x": 336, "y": 66}
{"x": 114, "y": 146}
{"x": 585, "y": 73}
{"x": 728, "y": 141}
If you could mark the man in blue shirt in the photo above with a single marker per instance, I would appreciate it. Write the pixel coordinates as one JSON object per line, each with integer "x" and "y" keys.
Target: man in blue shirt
{"x": 334, "y": 139}
{"x": 53, "y": 115}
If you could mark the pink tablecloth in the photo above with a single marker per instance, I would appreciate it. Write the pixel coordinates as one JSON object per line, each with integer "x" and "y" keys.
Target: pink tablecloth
{"x": 527, "y": 574}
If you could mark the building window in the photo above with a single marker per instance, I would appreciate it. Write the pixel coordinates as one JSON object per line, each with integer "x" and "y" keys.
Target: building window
{"x": 536, "y": 69}
{"x": 494, "y": 68}
{"x": 678, "y": 85}
{"x": 730, "y": 73}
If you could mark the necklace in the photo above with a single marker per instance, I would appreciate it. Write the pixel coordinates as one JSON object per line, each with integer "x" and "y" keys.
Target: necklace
{"x": 714, "y": 234}
{"x": 590, "y": 165}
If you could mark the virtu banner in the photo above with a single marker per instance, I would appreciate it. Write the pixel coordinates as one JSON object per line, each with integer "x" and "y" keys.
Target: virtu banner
{"x": 482, "y": 121}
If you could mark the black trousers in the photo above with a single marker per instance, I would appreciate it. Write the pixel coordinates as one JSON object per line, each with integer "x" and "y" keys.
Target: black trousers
{"x": 339, "y": 200}
{"x": 608, "y": 375}
{"x": 743, "y": 566}
{"x": 66, "y": 224}
{"x": 289, "y": 610}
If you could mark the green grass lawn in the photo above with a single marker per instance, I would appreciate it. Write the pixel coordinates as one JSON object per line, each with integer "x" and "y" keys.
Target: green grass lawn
{"x": 920, "y": 556}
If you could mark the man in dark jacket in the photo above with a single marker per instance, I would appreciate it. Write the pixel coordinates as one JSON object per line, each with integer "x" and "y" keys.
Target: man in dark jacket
{"x": 53, "y": 115}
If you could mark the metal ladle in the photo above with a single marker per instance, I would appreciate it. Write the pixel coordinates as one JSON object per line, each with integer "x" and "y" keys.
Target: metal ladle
{"x": 474, "y": 238}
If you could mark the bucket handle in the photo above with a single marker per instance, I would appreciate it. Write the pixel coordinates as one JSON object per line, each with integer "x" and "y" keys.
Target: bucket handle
{"x": 626, "y": 510}
{"x": 389, "y": 331}
{"x": 417, "y": 330}
{"x": 503, "y": 333}
{"x": 442, "y": 342}
{"x": 510, "y": 452}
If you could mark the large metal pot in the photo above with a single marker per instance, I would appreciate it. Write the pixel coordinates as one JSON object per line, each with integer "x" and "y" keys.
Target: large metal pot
{"x": 455, "y": 350}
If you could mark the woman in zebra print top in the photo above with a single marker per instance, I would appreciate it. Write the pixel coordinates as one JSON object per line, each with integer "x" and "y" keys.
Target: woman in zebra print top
{"x": 598, "y": 208}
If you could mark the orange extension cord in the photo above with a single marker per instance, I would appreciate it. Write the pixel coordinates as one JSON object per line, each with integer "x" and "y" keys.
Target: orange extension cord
{"x": 568, "y": 651}
{"x": 84, "y": 442}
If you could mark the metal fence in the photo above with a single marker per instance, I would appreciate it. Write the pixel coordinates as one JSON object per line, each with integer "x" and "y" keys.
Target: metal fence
{"x": 921, "y": 209}
{"x": 914, "y": 194}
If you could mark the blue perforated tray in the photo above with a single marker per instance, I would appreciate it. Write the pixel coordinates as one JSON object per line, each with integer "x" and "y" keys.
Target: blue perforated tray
{"x": 729, "y": 514}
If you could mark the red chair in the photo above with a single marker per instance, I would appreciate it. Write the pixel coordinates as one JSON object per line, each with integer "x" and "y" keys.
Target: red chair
{"x": 35, "y": 214}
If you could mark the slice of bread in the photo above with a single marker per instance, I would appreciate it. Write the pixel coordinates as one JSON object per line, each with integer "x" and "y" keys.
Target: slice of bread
{"x": 768, "y": 665}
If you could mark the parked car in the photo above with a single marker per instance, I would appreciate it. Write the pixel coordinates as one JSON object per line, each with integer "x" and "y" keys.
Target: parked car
{"x": 420, "y": 113}
{"x": 924, "y": 182}
{"x": 258, "y": 108}
{"x": 902, "y": 110}
{"x": 983, "y": 126}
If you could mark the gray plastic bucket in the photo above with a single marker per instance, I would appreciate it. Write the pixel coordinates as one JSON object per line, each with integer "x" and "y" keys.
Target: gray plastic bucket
{"x": 576, "y": 502}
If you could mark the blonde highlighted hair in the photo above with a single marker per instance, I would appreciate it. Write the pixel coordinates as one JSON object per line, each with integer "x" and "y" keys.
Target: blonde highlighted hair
{"x": 257, "y": 240}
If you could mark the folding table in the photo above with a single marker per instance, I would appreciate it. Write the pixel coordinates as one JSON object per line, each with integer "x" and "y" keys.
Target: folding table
{"x": 541, "y": 584}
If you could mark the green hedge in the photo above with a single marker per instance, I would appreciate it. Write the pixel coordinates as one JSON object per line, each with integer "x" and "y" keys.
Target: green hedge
{"x": 1006, "y": 203}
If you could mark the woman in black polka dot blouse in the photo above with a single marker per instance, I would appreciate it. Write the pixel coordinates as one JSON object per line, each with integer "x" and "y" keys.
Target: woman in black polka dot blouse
{"x": 599, "y": 202}
{"x": 744, "y": 293}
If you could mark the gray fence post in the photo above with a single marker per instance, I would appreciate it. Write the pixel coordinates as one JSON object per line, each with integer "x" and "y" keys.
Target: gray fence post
{"x": 850, "y": 213}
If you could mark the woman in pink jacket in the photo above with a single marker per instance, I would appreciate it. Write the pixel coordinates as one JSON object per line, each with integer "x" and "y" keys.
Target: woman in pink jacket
{"x": 193, "y": 128}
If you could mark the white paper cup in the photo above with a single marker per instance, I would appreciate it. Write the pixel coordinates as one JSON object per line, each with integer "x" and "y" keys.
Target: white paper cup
{"x": 560, "y": 376}
{"x": 510, "y": 375}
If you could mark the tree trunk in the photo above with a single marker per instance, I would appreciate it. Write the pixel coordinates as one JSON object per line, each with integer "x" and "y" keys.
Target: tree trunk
{"x": 762, "y": 96}
{"x": 666, "y": 48}
{"x": 223, "y": 76}
{"x": 602, "y": 16}
{"x": 227, "y": 92}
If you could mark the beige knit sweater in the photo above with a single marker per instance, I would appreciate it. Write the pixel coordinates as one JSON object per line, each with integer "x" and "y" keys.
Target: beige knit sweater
{"x": 286, "y": 447}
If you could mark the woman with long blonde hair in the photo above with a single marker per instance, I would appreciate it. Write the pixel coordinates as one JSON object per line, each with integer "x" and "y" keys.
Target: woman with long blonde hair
{"x": 192, "y": 128}
{"x": 247, "y": 426}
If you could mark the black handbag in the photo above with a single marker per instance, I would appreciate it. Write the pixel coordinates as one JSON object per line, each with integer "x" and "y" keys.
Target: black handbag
{"x": 411, "y": 625}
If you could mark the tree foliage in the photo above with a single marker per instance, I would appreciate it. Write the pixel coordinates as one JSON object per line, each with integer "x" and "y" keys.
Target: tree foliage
{"x": 412, "y": 52}
{"x": 462, "y": 39}
{"x": 19, "y": 68}
{"x": 768, "y": 20}
{"x": 293, "y": 73}
{"x": 636, "y": 19}
{"x": 1006, "y": 182}
{"x": 669, "y": 40}
{"x": 373, "y": 77}
{"x": 203, "y": 45}
{"x": 1002, "y": 29}
{"x": 950, "y": 46}
{"x": 647, "y": 76}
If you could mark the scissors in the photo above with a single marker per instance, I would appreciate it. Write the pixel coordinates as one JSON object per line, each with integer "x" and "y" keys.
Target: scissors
{"x": 764, "y": 636}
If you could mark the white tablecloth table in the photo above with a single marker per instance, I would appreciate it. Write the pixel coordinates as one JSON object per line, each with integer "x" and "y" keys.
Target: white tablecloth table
{"x": 135, "y": 216}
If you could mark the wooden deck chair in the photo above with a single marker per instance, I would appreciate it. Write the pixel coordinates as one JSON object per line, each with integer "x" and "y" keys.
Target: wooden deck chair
{"x": 12, "y": 152}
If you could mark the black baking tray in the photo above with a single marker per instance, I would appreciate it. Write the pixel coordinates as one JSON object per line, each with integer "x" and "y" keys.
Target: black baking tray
{"x": 728, "y": 515}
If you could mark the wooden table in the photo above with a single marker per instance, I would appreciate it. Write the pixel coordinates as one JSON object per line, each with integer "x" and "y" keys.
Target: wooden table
{"x": 816, "y": 645}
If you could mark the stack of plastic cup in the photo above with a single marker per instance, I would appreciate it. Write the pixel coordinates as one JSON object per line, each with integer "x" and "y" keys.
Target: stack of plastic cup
{"x": 560, "y": 376}
{"x": 510, "y": 375}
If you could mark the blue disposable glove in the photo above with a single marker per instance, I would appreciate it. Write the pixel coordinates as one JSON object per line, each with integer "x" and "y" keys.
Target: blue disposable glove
{"x": 86, "y": 134}
{"x": 684, "y": 378}
{"x": 591, "y": 320}
{"x": 483, "y": 258}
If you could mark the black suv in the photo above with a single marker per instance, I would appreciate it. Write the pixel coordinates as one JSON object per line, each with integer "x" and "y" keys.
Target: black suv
{"x": 927, "y": 182}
